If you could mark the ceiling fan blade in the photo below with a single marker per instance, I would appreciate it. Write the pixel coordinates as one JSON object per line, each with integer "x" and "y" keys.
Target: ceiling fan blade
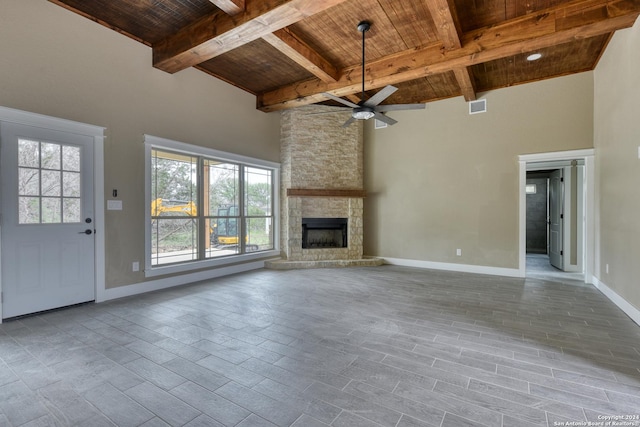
{"x": 384, "y": 93}
{"x": 348, "y": 122}
{"x": 396, "y": 107}
{"x": 383, "y": 118}
{"x": 340, "y": 100}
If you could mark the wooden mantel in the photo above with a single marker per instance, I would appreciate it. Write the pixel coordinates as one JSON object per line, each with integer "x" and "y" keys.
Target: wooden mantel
{"x": 325, "y": 192}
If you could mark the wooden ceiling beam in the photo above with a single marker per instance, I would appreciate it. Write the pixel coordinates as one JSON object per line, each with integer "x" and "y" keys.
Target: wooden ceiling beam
{"x": 577, "y": 20}
{"x": 218, "y": 33}
{"x": 443, "y": 13}
{"x": 466, "y": 83}
{"x": 298, "y": 51}
{"x": 353, "y": 98}
{"x": 445, "y": 19}
{"x": 230, "y": 7}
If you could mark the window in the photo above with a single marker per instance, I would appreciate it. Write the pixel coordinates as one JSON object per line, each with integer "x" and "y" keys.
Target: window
{"x": 206, "y": 207}
{"x": 48, "y": 182}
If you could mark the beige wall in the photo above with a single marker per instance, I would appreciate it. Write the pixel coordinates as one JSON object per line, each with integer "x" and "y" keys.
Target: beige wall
{"x": 617, "y": 138}
{"x": 442, "y": 179}
{"x": 437, "y": 181}
{"x": 57, "y": 63}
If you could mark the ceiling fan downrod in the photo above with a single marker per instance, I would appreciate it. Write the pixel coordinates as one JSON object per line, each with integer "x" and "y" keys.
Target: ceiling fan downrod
{"x": 363, "y": 27}
{"x": 366, "y": 109}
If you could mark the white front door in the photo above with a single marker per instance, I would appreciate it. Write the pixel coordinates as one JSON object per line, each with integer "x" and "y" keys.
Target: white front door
{"x": 556, "y": 219}
{"x": 47, "y": 219}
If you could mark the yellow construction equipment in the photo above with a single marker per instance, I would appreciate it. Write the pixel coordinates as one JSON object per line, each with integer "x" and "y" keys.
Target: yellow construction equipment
{"x": 159, "y": 206}
{"x": 224, "y": 229}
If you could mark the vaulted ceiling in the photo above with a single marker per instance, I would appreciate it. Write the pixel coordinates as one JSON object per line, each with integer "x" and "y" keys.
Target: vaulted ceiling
{"x": 287, "y": 52}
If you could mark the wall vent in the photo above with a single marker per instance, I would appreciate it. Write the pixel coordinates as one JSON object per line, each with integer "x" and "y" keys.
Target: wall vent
{"x": 379, "y": 124}
{"x": 479, "y": 106}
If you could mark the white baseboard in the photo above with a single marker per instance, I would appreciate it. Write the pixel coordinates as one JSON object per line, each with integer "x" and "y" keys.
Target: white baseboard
{"x": 629, "y": 309}
{"x": 183, "y": 279}
{"x": 462, "y": 268}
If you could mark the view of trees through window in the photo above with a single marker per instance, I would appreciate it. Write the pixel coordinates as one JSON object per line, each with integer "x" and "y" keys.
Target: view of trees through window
{"x": 48, "y": 183}
{"x": 230, "y": 214}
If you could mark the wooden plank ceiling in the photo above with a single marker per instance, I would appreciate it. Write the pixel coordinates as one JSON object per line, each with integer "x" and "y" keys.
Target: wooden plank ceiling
{"x": 287, "y": 52}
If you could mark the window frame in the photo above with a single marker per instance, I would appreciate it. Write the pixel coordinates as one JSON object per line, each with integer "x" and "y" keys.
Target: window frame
{"x": 153, "y": 142}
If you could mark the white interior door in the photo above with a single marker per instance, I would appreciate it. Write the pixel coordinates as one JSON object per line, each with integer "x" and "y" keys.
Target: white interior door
{"x": 556, "y": 206}
{"x": 48, "y": 243}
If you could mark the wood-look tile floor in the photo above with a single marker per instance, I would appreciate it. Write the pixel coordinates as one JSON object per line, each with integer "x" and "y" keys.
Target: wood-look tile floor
{"x": 375, "y": 346}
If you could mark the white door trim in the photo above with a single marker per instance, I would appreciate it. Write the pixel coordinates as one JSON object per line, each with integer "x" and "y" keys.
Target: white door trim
{"x": 97, "y": 133}
{"x": 589, "y": 191}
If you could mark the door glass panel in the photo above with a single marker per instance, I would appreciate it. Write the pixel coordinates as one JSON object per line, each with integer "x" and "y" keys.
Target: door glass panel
{"x": 51, "y": 181}
{"x": 29, "y": 210}
{"x": 71, "y": 184}
{"x": 71, "y": 210}
{"x": 71, "y": 158}
{"x": 50, "y": 210}
{"x": 50, "y": 155}
{"x": 28, "y": 153}
{"x": 29, "y": 181}
{"x": 48, "y": 183}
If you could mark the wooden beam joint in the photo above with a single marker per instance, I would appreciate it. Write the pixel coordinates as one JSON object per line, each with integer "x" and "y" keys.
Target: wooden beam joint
{"x": 219, "y": 33}
{"x": 298, "y": 51}
{"x": 230, "y": 7}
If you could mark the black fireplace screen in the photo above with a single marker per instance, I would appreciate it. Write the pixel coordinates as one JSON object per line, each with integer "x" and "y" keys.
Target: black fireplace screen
{"x": 318, "y": 233}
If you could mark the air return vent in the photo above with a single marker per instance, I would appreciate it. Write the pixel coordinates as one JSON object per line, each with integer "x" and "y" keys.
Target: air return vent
{"x": 479, "y": 106}
{"x": 379, "y": 124}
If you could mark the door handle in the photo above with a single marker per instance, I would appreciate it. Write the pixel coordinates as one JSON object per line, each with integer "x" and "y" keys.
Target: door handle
{"x": 87, "y": 231}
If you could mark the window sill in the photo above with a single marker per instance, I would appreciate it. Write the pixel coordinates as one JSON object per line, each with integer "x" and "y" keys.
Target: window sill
{"x": 209, "y": 263}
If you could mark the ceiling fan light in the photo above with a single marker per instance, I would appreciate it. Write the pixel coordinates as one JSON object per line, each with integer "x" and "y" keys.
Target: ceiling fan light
{"x": 362, "y": 115}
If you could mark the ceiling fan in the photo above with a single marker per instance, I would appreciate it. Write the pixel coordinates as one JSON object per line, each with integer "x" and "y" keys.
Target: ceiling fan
{"x": 364, "y": 110}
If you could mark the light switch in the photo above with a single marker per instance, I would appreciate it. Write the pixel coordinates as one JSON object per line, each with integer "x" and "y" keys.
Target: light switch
{"x": 114, "y": 205}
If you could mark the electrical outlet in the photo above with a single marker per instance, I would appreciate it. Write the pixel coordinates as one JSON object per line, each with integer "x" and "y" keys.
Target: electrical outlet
{"x": 135, "y": 266}
{"x": 459, "y": 252}
{"x": 606, "y": 268}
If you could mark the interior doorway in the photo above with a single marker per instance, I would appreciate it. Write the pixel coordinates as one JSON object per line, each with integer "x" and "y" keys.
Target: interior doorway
{"x": 556, "y": 215}
{"x": 546, "y": 219}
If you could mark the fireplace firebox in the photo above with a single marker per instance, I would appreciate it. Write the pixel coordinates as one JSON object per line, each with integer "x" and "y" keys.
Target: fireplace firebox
{"x": 319, "y": 233}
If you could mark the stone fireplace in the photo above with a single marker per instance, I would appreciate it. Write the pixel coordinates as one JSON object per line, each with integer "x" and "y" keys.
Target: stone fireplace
{"x": 322, "y": 189}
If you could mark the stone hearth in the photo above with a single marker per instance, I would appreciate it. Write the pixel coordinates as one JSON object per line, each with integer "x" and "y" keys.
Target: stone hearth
{"x": 321, "y": 177}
